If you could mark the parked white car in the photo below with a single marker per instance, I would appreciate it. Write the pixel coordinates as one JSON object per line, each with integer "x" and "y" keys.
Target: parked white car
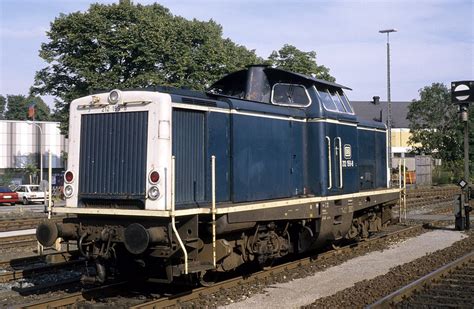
{"x": 30, "y": 193}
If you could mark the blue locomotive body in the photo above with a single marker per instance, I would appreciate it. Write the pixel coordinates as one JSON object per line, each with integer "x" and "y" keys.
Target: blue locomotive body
{"x": 270, "y": 150}
{"x": 265, "y": 163}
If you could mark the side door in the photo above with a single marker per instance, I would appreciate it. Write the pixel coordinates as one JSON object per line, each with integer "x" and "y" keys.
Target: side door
{"x": 333, "y": 150}
{"x": 341, "y": 157}
{"x": 298, "y": 146}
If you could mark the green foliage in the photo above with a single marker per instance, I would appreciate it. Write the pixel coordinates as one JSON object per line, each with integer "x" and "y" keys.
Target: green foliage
{"x": 17, "y": 108}
{"x": 30, "y": 169}
{"x": 3, "y": 104}
{"x": 292, "y": 59}
{"x": 7, "y": 176}
{"x": 448, "y": 173}
{"x": 129, "y": 46}
{"x": 64, "y": 157}
{"x": 434, "y": 124}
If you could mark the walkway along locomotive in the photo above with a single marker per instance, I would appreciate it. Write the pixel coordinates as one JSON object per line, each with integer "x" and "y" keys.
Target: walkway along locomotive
{"x": 265, "y": 163}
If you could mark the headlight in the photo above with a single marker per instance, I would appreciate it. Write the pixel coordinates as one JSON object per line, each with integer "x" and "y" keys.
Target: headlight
{"x": 153, "y": 193}
{"x": 114, "y": 97}
{"x": 68, "y": 191}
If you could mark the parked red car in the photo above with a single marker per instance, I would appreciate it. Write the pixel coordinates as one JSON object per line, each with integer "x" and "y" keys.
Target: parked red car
{"x": 7, "y": 196}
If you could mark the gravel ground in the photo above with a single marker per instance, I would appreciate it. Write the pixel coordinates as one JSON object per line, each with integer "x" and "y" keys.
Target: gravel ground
{"x": 18, "y": 292}
{"x": 246, "y": 291}
{"x": 303, "y": 291}
{"x": 28, "y": 211}
{"x": 367, "y": 292}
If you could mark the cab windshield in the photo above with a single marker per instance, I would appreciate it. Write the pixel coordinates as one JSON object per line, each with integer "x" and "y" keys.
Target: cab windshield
{"x": 334, "y": 101}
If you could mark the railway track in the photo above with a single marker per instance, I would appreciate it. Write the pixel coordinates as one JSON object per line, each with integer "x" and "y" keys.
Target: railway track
{"x": 17, "y": 241}
{"x": 35, "y": 265}
{"x": 176, "y": 299}
{"x": 449, "y": 286}
{"x": 427, "y": 197}
{"x": 15, "y": 224}
{"x": 75, "y": 297}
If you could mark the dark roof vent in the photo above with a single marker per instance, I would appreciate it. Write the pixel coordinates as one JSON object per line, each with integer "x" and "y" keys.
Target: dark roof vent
{"x": 257, "y": 87}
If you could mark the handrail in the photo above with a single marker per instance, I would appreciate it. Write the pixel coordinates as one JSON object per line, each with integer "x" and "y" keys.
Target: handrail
{"x": 173, "y": 215}
{"x": 213, "y": 209}
{"x": 340, "y": 163}
{"x": 329, "y": 162}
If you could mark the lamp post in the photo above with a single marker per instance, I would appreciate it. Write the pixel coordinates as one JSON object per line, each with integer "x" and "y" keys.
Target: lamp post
{"x": 389, "y": 100}
{"x": 41, "y": 152}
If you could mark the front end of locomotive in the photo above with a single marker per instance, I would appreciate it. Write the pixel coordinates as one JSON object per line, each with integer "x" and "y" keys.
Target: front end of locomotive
{"x": 119, "y": 169}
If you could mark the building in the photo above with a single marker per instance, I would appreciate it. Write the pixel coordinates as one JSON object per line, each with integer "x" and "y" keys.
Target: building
{"x": 400, "y": 127}
{"x": 21, "y": 143}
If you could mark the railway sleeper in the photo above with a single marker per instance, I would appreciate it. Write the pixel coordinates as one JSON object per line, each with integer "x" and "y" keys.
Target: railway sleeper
{"x": 446, "y": 290}
{"x": 438, "y": 300}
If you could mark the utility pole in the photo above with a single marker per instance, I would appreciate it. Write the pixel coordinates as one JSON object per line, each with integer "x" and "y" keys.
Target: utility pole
{"x": 389, "y": 99}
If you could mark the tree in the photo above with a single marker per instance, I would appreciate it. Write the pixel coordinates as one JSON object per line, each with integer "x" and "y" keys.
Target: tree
{"x": 31, "y": 171}
{"x": 17, "y": 108}
{"x": 7, "y": 177}
{"x": 3, "y": 104}
{"x": 292, "y": 59}
{"x": 435, "y": 126}
{"x": 130, "y": 46}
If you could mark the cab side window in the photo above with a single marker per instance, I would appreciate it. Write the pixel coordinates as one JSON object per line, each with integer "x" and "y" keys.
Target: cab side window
{"x": 290, "y": 94}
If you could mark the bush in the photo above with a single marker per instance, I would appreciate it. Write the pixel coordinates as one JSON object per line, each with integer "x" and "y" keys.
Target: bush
{"x": 448, "y": 173}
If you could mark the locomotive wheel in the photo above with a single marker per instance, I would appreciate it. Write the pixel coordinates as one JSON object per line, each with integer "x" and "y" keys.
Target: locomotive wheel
{"x": 208, "y": 278}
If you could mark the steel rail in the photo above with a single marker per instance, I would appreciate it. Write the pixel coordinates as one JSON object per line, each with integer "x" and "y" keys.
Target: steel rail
{"x": 407, "y": 291}
{"x": 55, "y": 257}
{"x": 73, "y": 298}
{"x": 36, "y": 270}
{"x": 176, "y": 300}
{"x": 7, "y": 225}
{"x": 18, "y": 241}
{"x": 173, "y": 300}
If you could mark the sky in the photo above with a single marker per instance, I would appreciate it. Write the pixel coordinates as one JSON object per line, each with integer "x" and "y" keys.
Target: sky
{"x": 434, "y": 41}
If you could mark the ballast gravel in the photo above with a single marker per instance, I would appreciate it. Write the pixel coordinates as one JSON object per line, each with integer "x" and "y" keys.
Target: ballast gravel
{"x": 367, "y": 292}
{"x": 304, "y": 291}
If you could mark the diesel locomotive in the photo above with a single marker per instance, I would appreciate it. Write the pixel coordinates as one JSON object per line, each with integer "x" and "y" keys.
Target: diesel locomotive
{"x": 173, "y": 183}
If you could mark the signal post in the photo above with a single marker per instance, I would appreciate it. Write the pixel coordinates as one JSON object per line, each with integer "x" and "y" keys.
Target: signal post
{"x": 462, "y": 94}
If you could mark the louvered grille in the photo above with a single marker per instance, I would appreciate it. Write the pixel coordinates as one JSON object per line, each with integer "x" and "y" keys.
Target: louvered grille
{"x": 188, "y": 147}
{"x": 113, "y": 156}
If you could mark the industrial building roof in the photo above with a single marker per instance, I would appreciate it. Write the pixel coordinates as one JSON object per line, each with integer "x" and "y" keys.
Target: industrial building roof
{"x": 367, "y": 110}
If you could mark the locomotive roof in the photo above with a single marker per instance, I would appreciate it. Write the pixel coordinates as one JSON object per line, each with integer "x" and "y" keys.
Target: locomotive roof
{"x": 256, "y": 83}
{"x": 312, "y": 79}
{"x": 288, "y": 74}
